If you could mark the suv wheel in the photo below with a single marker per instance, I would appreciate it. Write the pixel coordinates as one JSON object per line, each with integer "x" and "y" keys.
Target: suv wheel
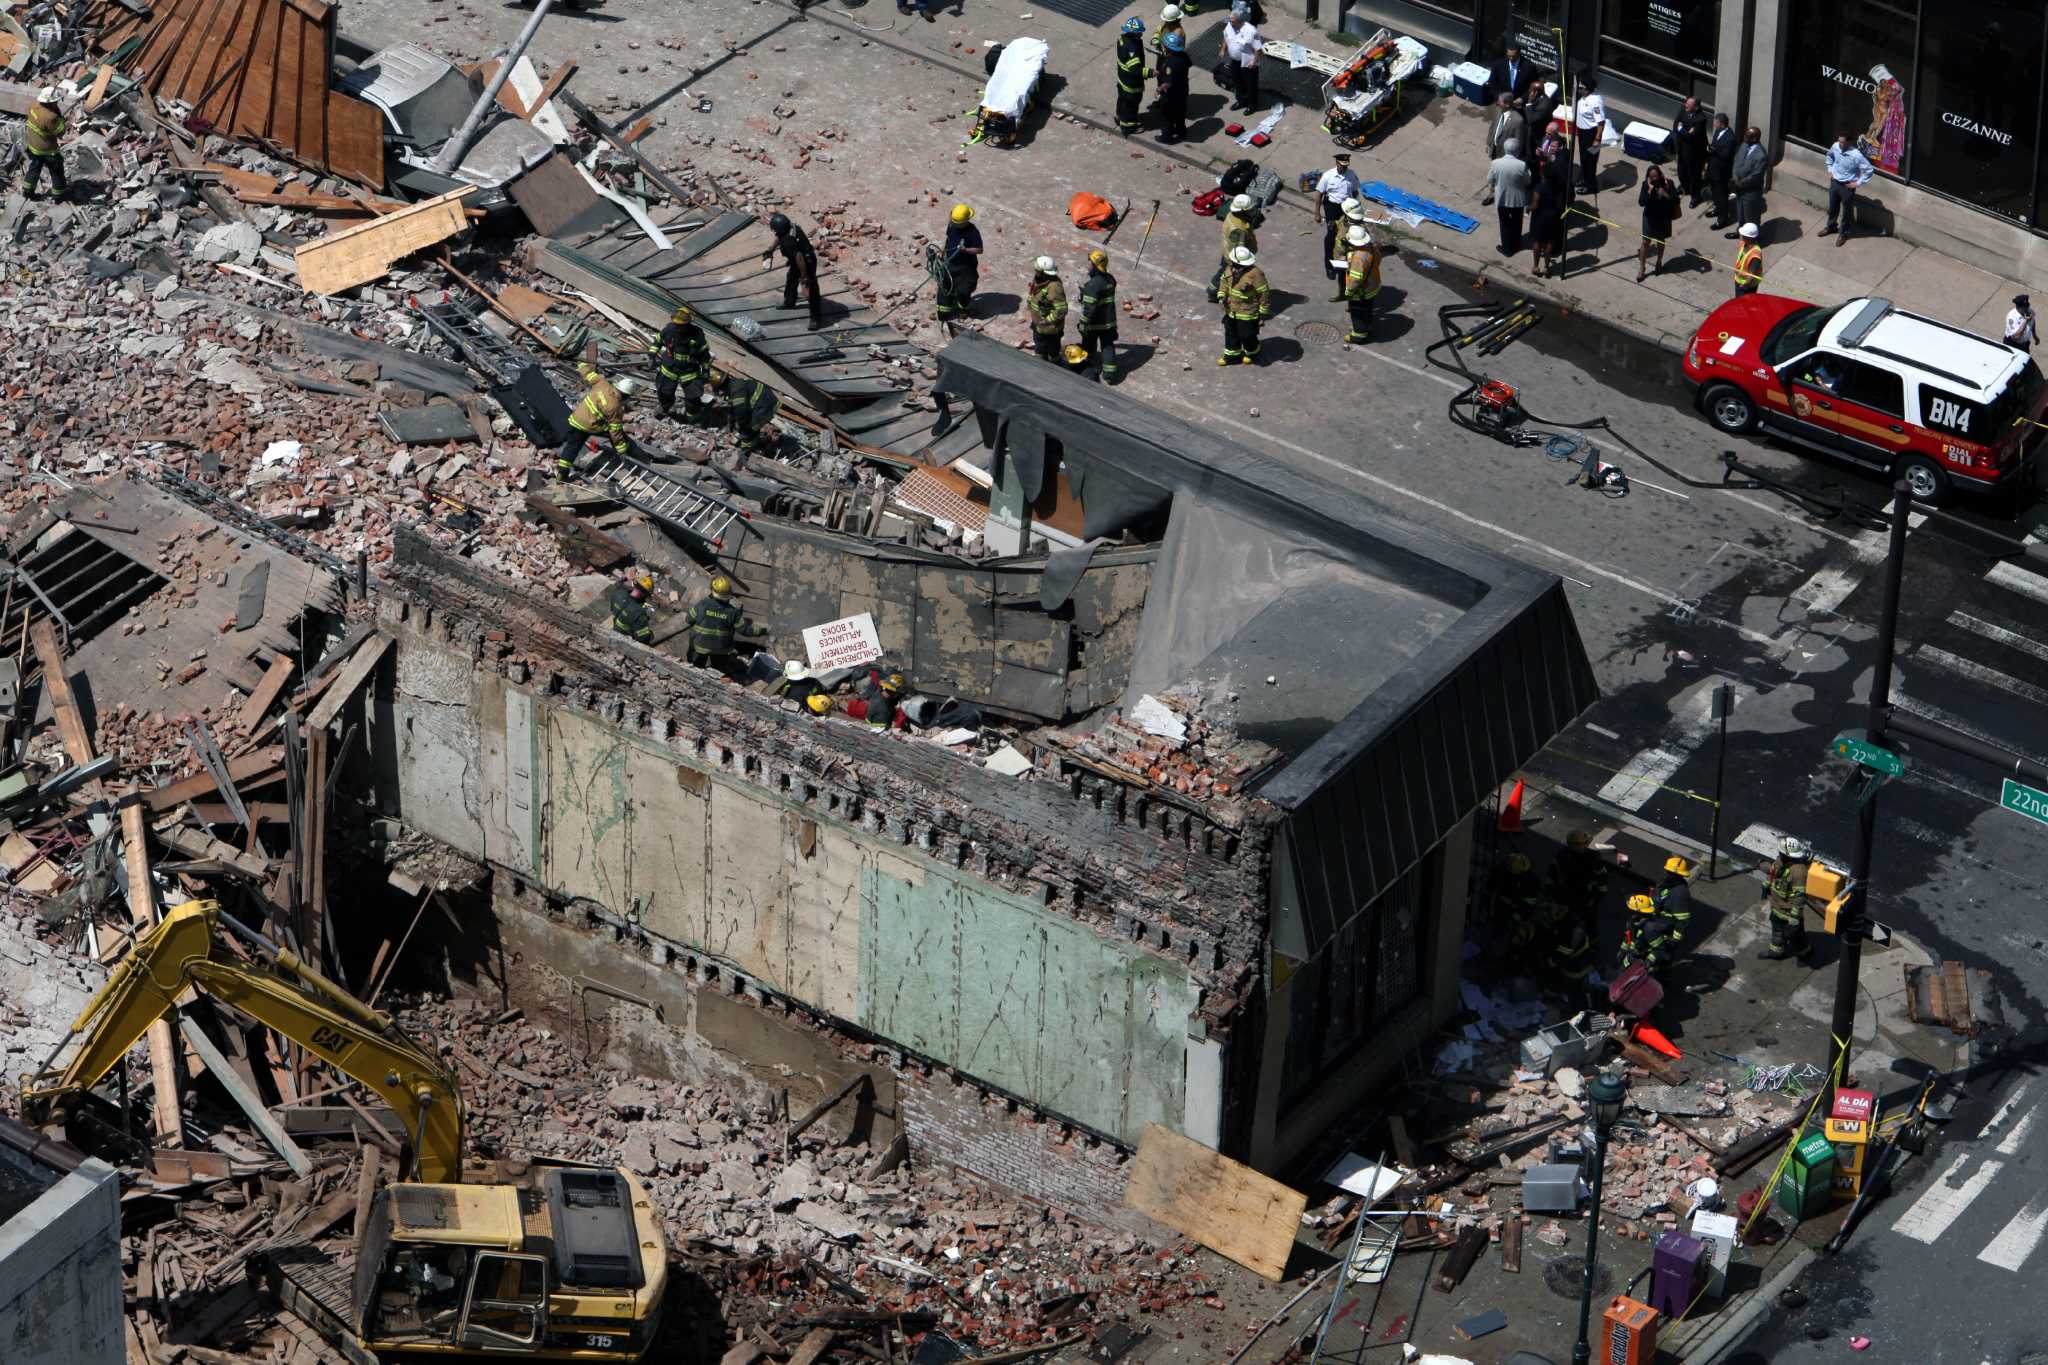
{"x": 1729, "y": 409}
{"x": 1926, "y": 478}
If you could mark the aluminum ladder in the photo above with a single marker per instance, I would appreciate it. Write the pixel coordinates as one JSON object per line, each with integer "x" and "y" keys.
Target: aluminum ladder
{"x": 483, "y": 350}
{"x": 669, "y": 500}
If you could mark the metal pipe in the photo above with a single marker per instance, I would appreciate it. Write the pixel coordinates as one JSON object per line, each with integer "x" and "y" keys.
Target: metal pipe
{"x": 1582, "y": 1350}
{"x": 1849, "y": 930}
{"x": 452, "y": 152}
{"x": 1955, "y": 741}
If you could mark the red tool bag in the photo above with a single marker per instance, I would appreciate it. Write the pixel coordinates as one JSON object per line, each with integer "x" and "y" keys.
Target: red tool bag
{"x": 1209, "y": 203}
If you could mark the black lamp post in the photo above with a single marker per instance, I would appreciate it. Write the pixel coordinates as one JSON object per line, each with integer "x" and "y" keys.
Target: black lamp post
{"x": 1606, "y": 1092}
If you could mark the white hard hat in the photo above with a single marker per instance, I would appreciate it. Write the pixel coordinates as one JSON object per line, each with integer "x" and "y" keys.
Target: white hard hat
{"x": 1242, "y": 255}
{"x": 626, "y": 386}
{"x": 1792, "y": 848}
{"x": 1354, "y": 208}
{"x": 1046, "y": 265}
{"x": 47, "y": 95}
{"x": 1749, "y": 231}
{"x": 1170, "y": 15}
{"x": 1358, "y": 236}
{"x": 795, "y": 670}
{"x": 1242, "y": 203}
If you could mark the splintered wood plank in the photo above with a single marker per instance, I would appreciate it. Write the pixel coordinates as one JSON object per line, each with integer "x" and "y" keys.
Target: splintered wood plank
{"x": 266, "y": 693}
{"x": 1226, "y": 1206}
{"x": 367, "y": 251}
{"x": 352, "y": 676}
{"x": 57, "y": 682}
{"x": 163, "y": 1045}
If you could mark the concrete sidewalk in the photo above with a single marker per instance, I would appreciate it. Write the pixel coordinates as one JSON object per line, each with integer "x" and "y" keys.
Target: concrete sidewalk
{"x": 1436, "y": 150}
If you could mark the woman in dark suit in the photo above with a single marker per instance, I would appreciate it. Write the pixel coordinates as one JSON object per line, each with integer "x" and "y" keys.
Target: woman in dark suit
{"x": 1550, "y": 192}
{"x": 1659, "y": 200}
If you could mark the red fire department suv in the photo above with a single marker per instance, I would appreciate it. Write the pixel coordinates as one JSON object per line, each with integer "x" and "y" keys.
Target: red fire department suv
{"x": 1905, "y": 395}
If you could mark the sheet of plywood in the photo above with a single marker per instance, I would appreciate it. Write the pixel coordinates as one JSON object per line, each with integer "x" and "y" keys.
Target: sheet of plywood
{"x": 355, "y": 140}
{"x": 1226, "y": 1206}
{"x": 367, "y": 251}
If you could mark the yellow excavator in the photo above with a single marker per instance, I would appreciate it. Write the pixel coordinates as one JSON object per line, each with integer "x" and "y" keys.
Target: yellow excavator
{"x": 546, "y": 1260}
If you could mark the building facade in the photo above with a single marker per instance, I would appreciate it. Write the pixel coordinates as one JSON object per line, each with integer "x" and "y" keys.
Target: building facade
{"x": 1946, "y": 99}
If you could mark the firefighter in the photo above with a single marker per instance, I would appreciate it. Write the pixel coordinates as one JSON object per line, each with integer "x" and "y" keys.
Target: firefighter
{"x": 1785, "y": 898}
{"x": 799, "y": 686}
{"x": 1240, "y": 229}
{"x": 880, "y": 699}
{"x": 795, "y": 246}
{"x": 1169, "y": 26}
{"x": 1578, "y": 879}
{"x": 1361, "y": 282}
{"x": 1247, "y": 302}
{"x": 602, "y": 408}
{"x": 716, "y": 623}
{"x": 750, "y": 408}
{"x": 961, "y": 273}
{"x": 630, "y": 614}
{"x": 1571, "y": 949}
{"x": 1172, "y": 72}
{"x": 681, "y": 357}
{"x": 1518, "y": 902}
{"x": 1048, "y": 304}
{"x": 1673, "y": 894}
{"x": 1130, "y": 75}
{"x": 1648, "y": 936}
{"x": 40, "y": 140}
{"x": 1098, "y": 317}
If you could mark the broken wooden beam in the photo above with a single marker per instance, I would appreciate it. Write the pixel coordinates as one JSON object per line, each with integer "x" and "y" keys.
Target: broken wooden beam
{"x": 647, "y": 168}
{"x": 368, "y": 251}
{"x": 245, "y": 1098}
{"x": 163, "y": 1044}
{"x": 582, "y": 543}
{"x": 245, "y": 770}
{"x": 1459, "y": 1263}
{"x": 352, "y": 676}
{"x": 63, "y": 701}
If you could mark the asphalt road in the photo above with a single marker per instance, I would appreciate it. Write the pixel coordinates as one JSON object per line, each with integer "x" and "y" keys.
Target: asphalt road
{"x": 1676, "y": 587}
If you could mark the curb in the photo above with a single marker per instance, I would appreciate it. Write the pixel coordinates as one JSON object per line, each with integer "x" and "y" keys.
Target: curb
{"x": 1478, "y": 267}
{"x": 1732, "y": 1328}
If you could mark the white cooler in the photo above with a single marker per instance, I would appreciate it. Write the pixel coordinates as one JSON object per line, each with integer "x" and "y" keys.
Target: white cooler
{"x": 1646, "y": 142}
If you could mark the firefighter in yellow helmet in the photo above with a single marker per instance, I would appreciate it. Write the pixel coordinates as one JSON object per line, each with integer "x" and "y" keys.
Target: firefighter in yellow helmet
{"x": 1673, "y": 894}
{"x": 959, "y": 268}
{"x": 1247, "y": 302}
{"x": 40, "y": 140}
{"x": 716, "y": 625}
{"x": 878, "y": 702}
{"x": 681, "y": 357}
{"x": 1047, "y": 304}
{"x": 631, "y": 616}
{"x": 1648, "y": 937}
{"x": 601, "y": 409}
{"x": 1099, "y": 317}
{"x": 750, "y": 408}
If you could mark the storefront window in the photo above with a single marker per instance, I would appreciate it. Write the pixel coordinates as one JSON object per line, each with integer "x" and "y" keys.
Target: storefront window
{"x": 1848, "y": 69}
{"x": 1976, "y": 113}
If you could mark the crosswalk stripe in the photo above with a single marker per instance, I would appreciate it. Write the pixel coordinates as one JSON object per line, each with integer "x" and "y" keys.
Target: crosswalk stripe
{"x": 1990, "y": 677}
{"x": 1640, "y": 778}
{"x": 1830, "y": 587}
{"x": 2022, "y": 581}
{"x": 2018, "y": 1238}
{"x": 1939, "y": 1207}
{"x": 1998, "y": 634}
{"x": 1996, "y": 1124}
{"x": 2011, "y": 1145}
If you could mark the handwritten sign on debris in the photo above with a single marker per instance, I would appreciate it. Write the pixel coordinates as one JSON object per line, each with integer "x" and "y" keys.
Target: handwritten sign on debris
{"x": 845, "y": 643}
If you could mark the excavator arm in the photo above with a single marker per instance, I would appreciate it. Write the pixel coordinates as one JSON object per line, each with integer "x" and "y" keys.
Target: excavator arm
{"x": 184, "y": 951}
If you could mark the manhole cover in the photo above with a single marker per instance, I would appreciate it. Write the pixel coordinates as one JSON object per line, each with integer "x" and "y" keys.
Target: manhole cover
{"x": 1315, "y": 334}
{"x": 1567, "y": 1276}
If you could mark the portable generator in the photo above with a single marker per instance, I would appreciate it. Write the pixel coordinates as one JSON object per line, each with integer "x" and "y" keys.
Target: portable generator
{"x": 1628, "y": 1334}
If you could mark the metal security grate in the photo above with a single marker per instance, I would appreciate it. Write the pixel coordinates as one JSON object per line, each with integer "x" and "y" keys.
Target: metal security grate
{"x": 1097, "y": 12}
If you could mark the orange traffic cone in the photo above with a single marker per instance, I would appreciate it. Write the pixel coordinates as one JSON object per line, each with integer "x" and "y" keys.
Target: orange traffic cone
{"x": 1651, "y": 1038}
{"x": 1511, "y": 813}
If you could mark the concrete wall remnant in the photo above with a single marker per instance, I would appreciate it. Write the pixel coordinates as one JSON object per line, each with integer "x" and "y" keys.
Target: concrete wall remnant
{"x": 60, "y": 1255}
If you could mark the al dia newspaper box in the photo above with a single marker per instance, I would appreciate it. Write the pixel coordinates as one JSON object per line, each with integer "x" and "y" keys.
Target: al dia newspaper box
{"x": 1628, "y": 1334}
{"x": 1848, "y": 1129}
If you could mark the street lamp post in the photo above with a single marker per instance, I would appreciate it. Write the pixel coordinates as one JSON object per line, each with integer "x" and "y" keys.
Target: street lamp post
{"x": 1606, "y": 1092}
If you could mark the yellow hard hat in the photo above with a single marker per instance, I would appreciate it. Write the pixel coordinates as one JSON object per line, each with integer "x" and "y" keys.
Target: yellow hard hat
{"x": 1679, "y": 865}
{"x": 1076, "y": 354}
{"x": 893, "y": 683}
{"x": 1578, "y": 838}
{"x": 1641, "y": 904}
{"x": 819, "y": 703}
{"x": 682, "y": 313}
{"x": 1518, "y": 863}
{"x": 961, "y": 213}
{"x": 721, "y": 586}
{"x": 644, "y": 581}
{"x": 714, "y": 377}
{"x": 1099, "y": 259}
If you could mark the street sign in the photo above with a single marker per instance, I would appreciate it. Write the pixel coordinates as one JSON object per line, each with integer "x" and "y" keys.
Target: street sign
{"x": 1862, "y": 751}
{"x": 2031, "y": 802}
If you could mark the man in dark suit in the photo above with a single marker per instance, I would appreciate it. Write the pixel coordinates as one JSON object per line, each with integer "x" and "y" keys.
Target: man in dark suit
{"x": 1512, "y": 74}
{"x": 1689, "y": 140}
{"x": 1722, "y": 145}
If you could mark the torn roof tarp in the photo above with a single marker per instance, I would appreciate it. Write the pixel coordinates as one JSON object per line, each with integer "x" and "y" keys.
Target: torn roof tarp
{"x": 1449, "y": 666}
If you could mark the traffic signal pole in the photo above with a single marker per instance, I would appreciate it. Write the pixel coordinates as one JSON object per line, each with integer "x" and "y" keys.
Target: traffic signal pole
{"x": 1849, "y": 927}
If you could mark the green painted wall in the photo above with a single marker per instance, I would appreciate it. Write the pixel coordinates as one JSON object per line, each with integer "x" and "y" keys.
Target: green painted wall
{"x": 1039, "y": 1005}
